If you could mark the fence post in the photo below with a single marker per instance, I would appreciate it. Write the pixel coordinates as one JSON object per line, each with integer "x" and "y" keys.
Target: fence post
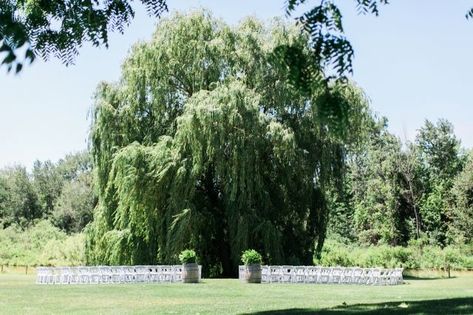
{"x": 26, "y": 269}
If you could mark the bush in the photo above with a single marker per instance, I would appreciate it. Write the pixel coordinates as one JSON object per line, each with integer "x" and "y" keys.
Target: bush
{"x": 414, "y": 256}
{"x": 40, "y": 244}
{"x": 187, "y": 256}
{"x": 335, "y": 254}
{"x": 251, "y": 257}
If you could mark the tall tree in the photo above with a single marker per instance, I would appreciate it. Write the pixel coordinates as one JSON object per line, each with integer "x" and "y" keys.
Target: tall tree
{"x": 439, "y": 149}
{"x": 74, "y": 206}
{"x": 412, "y": 189}
{"x": 73, "y": 209}
{"x": 47, "y": 183}
{"x": 4, "y": 194}
{"x": 20, "y": 202}
{"x": 75, "y": 165}
{"x": 50, "y": 178}
{"x": 439, "y": 154}
{"x": 205, "y": 143}
{"x": 461, "y": 227}
{"x": 379, "y": 217}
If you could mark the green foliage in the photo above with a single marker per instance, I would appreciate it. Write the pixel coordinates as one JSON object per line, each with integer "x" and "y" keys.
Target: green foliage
{"x": 395, "y": 193}
{"x": 75, "y": 165}
{"x": 341, "y": 216}
{"x": 59, "y": 28}
{"x": 375, "y": 188}
{"x": 61, "y": 192}
{"x": 251, "y": 257}
{"x": 48, "y": 183}
{"x": 439, "y": 155}
{"x": 40, "y": 244}
{"x": 409, "y": 257}
{"x": 205, "y": 143}
{"x": 432, "y": 209}
{"x": 74, "y": 208}
{"x": 18, "y": 201}
{"x": 439, "y": 150}
{"x": 187, "y": 256}
{"x": 334, "y": 254}
{"x": 461, "y": 225}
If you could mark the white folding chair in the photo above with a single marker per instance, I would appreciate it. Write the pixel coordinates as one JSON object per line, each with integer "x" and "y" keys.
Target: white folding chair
{"x": 129, "y": 274}
{"x": 385, "y": 276}
{"x": 299, "y": 274}
{"x": 40, "y": 275}
{"x": 347, "y": 275}
{"x": 153, "y": 275}
{"x": 373, "y": 276}
{"x": 75, "y": 275}
{"x": 94, "y": 274}
{"x": 84, "y": 275}
{"x": 287, "y": 274}
{"x": 312, "y": 274}
{"x": 65, "y": 274}
{"x": 105, "y": 274}
{"x": 265, "y": 274}
{"x": 336, "y": 275}
{"x": 177, "y": 273}
{"x": 357, "y": 275}
{"x": 275, "y": 274}
{"x": 325, "y": 275}
{"x": 397, "y": 276}
{"x": 140, "y": 273}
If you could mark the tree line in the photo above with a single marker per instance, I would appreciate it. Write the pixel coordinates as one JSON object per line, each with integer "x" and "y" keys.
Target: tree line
{"x": 61, "y": 193}
{"x": 397, "y": 193}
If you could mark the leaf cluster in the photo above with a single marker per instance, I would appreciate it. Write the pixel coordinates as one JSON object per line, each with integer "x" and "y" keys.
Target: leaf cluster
{"x": 323, "y": 22}
{"x": 187, "y": 256}
{"x": 59, "y": 28}
{"x": 251, "y": 257}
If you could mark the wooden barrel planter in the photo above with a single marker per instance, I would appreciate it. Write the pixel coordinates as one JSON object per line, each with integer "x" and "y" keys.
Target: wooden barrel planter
{"x": 253, "y": 273}
{"x": 190, "y": 273}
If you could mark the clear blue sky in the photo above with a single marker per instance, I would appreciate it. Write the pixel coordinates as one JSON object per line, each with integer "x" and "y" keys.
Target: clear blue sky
{"x": 415, "y": 62}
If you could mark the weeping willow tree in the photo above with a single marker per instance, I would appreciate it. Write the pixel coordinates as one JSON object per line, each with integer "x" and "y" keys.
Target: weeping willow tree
{"x": 207, "y": 143}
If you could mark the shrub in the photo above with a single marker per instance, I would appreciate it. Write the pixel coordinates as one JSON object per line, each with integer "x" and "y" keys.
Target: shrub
{"x": 40, "y": 244}
{"x": 414, "y": 256}
{"x": 336, "y": 254}
{"x": 251, "y": 257}
{"x": 187, "y": 256}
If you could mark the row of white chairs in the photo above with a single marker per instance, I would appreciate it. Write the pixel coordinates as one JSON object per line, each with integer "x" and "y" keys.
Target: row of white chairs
{"x": 110, "y": 274}
{"x": 329, "y": 275}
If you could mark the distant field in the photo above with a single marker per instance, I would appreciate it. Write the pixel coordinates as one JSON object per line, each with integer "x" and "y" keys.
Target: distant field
{"x": 19, "y": 295}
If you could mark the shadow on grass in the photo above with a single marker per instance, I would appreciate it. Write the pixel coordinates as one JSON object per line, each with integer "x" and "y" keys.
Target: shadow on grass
{"x": 426, "y": 278}
{"x": 443, "y": 307}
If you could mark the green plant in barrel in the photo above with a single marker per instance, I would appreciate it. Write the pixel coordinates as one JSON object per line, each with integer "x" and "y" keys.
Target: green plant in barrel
{"x": 252, "y": 260}
{"x": 251, "y": 257}
{"x": 188, "y": 256}
{"x": 190, "y": 269}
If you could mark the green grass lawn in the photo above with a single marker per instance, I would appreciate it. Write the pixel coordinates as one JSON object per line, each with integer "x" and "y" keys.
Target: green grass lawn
{"x": 20, "y": 295}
